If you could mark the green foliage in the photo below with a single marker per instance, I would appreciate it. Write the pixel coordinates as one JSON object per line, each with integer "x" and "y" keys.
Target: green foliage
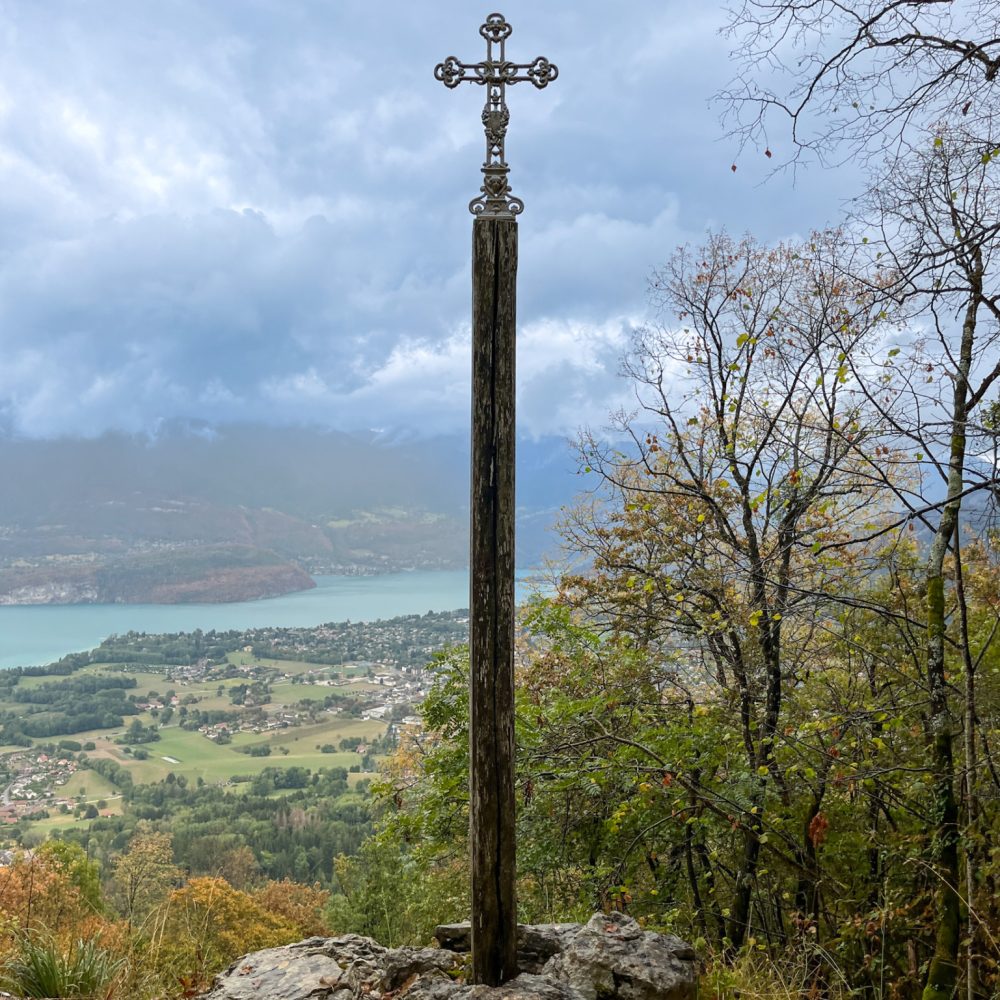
{"x": 72, "y": 860}
{"x": 138, "y": 733}
{"x": 294, "y": 821}
{"x": 635, "y": 791}
{"x": 395, "y": 896}
{"x": 68, "y": 706}
{"x": 143, "y": 874}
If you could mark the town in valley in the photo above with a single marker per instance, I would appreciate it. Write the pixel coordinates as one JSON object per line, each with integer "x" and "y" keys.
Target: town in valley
{"x": 209, "y": 707}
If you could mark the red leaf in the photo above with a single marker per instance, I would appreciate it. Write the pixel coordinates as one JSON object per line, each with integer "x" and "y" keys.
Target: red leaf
{"x": 818, "y": 828}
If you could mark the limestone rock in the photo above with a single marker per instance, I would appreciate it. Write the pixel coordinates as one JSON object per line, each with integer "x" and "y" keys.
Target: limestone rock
{"x": 454, "y": 937}
{"x": 614, "y": 957}
{"x": 431, "y": 988}
{"x": 536, "y": 943}
{"x": 403, "y": 965}
{"x": 314, "y": 969}
{"x": 524, "y": 987}
{"x": 611, "y": 958}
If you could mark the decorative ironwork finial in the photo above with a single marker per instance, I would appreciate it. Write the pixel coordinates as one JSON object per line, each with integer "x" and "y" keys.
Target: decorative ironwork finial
{"x": 496, "y": 200}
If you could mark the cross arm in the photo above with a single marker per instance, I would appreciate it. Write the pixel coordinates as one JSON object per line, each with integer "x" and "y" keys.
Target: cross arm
{"x": 453, "y": 71}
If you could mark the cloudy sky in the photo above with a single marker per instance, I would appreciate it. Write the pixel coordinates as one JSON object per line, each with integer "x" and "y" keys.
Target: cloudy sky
{"x": 231, "y": 210}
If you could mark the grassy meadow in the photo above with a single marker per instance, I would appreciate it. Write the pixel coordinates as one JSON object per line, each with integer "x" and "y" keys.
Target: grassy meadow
{"x": 192, "y": 755}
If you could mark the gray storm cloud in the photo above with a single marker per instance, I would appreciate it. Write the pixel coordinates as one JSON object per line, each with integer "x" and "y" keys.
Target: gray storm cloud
{"x": 252, "y": 211}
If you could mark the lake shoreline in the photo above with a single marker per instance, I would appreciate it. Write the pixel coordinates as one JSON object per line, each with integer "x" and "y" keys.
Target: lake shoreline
{"x": 34, "y": 635}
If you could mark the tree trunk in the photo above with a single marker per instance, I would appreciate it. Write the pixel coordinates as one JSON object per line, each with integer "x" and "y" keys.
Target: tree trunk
{"x": 970, "y": 841}
{"x": 942, "y": 976}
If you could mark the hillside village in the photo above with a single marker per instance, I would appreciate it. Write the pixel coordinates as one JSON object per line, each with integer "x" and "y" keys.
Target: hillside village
{"x": 36, "y": 778}
{"x": 351, "y": 687}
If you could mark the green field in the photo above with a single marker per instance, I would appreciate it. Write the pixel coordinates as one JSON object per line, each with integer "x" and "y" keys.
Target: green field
{"x": 283, "y": 692}
{"x": 287, "y": 693}
{"x": 147, "y": 680}
{"x": 206, "y": 692}
{"x": 216, "y": 767}
{"x": 241, "y": 659}
{"x": 91, "y": 785}
{"x": 195, "y": 756}
{"x": 332, "y": 730}
{"x": 362, "y": 687}
{"x": 59, "y": 823}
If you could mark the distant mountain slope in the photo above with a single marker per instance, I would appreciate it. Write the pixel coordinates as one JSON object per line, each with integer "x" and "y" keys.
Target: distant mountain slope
{"x": 239, "y": 512}
{"x": 206, "y": 574}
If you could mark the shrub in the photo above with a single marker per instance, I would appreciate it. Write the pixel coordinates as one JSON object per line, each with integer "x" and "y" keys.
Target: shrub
{"x": 207, "y": 924}
{"x": 44, "y": 890}
{"x": 300, "y": 906}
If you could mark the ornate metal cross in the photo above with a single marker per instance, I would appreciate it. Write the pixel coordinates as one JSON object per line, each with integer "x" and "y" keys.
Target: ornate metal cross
{"x": 492, "y": 509}
{"x": 494, "y": 73}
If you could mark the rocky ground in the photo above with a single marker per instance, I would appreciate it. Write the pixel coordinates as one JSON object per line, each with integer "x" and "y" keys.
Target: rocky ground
{"x": 609, "y": 957}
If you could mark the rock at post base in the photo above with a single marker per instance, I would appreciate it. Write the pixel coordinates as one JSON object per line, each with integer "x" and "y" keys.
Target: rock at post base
{"x": 614, "y": 957}
{"x": 610, "y": 957}
{"x": 536, "y": 943}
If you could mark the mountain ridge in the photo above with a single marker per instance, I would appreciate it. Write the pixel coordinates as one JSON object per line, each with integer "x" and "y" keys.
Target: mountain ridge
{"x": 94, "y": 520}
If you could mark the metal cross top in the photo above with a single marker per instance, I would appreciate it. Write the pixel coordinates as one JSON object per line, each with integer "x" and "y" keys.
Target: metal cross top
{"x": 494, "y": 73}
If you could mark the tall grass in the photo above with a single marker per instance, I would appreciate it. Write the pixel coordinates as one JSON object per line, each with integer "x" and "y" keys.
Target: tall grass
{"x": 798, "y": 976}
{"x": 41, "y": 969}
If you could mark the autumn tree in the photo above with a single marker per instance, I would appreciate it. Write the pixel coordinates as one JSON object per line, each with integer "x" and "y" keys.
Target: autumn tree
{"x": 938, "y": 218}
{"x": 49, "y": 894}
{"x": 144, "y": 874}
{"x": 748, "y": 462}
{"x": 206, "y": 924}
{"x": 240, "y": 868}
{"x": 300, "y": 906}
{"x": 71, "y": 859}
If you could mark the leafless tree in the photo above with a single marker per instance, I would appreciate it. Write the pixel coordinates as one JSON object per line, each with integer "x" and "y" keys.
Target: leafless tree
{"x": 861, "y": 77}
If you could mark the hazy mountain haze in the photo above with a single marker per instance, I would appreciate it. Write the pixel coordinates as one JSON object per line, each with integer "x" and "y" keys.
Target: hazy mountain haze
{"x": 246, "y": 510}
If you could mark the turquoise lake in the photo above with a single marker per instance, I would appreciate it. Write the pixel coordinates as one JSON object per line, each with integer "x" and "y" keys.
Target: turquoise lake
{"x": 43, "y": 633}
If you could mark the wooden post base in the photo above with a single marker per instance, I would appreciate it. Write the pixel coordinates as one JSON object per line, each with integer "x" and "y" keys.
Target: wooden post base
{"x": 491, "y": 731}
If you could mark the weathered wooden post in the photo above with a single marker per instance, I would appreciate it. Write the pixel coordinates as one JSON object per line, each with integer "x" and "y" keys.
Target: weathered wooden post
{"x": 491, "y": 733}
